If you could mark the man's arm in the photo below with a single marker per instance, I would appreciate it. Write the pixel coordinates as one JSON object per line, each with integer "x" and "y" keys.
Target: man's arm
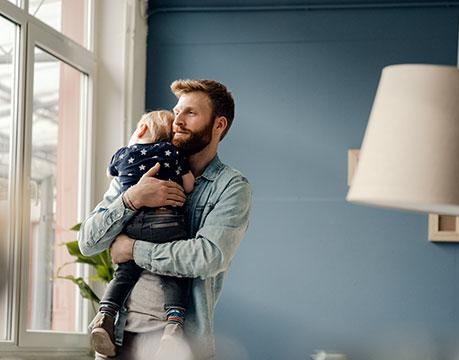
{"x": 214, "y": 246}
{"x": 107, "y": 220}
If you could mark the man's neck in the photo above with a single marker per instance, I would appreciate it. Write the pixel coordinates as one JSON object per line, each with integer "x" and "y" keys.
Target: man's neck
{"x": 199, "y": 161}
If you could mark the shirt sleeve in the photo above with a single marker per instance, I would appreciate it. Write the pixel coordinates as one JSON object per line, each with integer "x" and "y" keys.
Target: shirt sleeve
{"x": 215, "y": 244}
{"x": 105, "y": 222}
{"x": 113, "y": 166}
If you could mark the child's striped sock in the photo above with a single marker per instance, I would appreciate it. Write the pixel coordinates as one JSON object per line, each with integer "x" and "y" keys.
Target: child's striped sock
{"x": 107, "y": 309}
{"x": 175, "y": 315}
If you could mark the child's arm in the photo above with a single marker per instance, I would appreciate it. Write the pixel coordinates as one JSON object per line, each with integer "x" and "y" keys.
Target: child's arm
{"x": 188, "y": 182}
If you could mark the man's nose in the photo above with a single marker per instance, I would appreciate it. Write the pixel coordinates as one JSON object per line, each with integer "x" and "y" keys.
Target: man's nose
{"x": 178, "y": 120}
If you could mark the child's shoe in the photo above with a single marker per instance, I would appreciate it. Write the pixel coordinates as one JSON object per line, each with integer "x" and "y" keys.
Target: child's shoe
{"x": 102, "y": 334}
{"x": 173, "y": 345}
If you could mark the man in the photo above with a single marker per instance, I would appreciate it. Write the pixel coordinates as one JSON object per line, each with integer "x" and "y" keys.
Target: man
{"x": 217, "y": 216}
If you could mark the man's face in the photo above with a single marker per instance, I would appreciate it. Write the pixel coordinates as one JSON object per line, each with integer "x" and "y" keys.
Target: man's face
{"x": 193, "y": 122}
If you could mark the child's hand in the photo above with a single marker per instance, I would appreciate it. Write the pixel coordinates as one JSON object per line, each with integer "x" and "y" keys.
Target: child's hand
{"x": 152, "y": 192}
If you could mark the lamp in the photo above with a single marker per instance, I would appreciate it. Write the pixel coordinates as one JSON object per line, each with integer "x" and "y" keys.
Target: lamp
{"x": 409, "y": 157}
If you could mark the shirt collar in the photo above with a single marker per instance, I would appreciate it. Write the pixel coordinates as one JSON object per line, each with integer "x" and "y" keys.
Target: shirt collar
{"x": 212, "y": 170}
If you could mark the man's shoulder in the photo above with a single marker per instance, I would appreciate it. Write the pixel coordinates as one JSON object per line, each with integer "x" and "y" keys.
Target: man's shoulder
{"x": 228, "y": 174}
{"x": 233, "y": 173}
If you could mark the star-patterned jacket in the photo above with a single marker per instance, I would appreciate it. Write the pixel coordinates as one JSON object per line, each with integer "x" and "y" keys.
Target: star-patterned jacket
{"x": 130, "y": 162}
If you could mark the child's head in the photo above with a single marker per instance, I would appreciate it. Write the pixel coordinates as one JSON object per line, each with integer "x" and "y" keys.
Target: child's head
{"x": 152, "y": 127}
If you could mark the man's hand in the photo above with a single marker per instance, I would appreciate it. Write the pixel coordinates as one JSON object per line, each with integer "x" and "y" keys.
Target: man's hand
{"x": 122, "y": 249}
{"x": 152, "y": 192}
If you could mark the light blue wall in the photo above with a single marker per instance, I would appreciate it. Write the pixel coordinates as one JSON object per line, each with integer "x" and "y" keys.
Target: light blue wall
{"x": 315, "y": 272}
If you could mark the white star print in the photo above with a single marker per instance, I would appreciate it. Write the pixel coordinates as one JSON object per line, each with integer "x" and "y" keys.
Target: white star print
{"x": 129, "y": 174}
{"x": 166, "y": 165}
{"x": 143, "y": 151}
{"x": 177, "y": 172}
{"x": 167, "y": 152}
{"x": 122, "y": 156}
{"x": 154, "y": 157}
{"x": 142, "y": 167}
{"x": 131, "y": 160}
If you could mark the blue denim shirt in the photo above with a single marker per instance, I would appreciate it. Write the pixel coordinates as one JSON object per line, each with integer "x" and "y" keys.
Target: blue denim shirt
{"x": 217, "y": 213}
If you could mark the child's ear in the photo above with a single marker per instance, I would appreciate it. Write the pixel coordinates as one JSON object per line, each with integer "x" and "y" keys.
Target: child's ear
{"x": 141, "y": 130}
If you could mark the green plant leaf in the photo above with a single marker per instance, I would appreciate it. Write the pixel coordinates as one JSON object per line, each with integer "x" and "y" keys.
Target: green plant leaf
{"x": 103, "y": 272}
{"x": 76, "y": 227}
{"x": 106, "y": 258}
{"x": 102, "y": 263}
{"x": 85, "y": 290}
{"x": 74, "y": 250}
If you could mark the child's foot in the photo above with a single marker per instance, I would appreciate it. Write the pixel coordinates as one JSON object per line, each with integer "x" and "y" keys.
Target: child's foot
{"x": 172, "y": 344}
{"x": 102, "y": 336}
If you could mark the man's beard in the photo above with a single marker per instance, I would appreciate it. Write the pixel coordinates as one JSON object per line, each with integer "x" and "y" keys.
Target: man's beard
{"x": 195, "y": 142}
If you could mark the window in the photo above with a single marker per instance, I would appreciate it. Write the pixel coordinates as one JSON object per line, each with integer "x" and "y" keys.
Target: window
{"x": 68, "y": 17}
{"x": 47, "y": 152}
{"x": 57, "y": 95}
{"x": 9, "y": 32}
{"x": 46, "y": 90}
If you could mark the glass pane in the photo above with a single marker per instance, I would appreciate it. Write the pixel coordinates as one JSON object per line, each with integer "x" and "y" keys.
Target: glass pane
{"x": 67, "y": 16}
{"x": 54, "y": 303}
{"x": 9, "y": 33}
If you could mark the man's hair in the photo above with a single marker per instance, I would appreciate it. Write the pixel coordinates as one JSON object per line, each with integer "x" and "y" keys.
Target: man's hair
{"x": 221, "y": 99}
{"x": 159, "y": 122}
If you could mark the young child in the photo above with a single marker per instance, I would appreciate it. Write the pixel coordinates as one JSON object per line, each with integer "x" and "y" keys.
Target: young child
{"x": 149, "y": 144}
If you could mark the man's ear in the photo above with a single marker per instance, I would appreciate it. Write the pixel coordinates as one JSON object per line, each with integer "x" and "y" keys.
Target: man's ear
{"x": 221, "y": 123}
{"x": 141, "y": 130}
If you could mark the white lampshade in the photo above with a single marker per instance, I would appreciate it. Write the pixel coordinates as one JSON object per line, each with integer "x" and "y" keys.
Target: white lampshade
{"x": 409, "y": 157}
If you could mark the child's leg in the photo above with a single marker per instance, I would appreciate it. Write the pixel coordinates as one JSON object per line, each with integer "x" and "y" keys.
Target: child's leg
{"x": 176, "y": 291}
{"x": 155, "y": 226}
{"x": 176, "y": 295}
{"x": 125, "y": 277}
{"x": 102, "y": 332}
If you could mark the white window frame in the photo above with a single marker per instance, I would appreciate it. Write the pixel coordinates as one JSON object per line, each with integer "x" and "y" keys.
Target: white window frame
{"x": 15, "y": 192}
{"x": 35, "y": 33}
{"x": 73, "y": 54}
{"x": 123, "y": 64}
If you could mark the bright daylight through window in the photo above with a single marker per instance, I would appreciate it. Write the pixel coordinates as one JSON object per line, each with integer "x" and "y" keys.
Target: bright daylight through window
{"x": 66, "y": 16}
{"x": 54, "y": 192}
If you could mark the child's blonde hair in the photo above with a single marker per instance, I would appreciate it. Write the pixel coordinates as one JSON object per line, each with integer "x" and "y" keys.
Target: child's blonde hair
{"x": 158, "y": 122}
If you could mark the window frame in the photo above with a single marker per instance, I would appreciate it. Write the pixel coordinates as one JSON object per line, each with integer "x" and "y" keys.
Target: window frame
{"x": 78, "y": 57}
{"x": 16, "y": 16}
{"x": 34, "y": 33}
